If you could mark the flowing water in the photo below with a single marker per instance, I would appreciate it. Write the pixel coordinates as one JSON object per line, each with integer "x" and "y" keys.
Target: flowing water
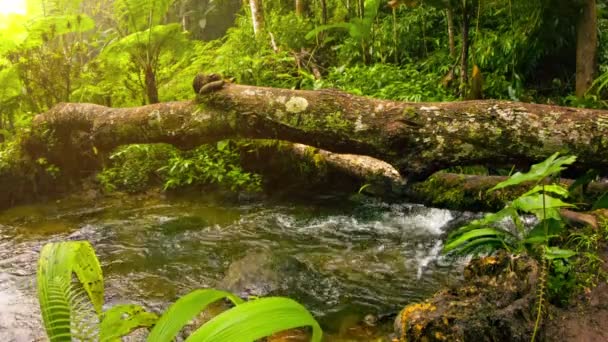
{"x": 344, "y": 259}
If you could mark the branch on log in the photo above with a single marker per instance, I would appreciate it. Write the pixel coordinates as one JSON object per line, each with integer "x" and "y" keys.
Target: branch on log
{"x": 289, "y": 167}
{"x": 417, "y": 138}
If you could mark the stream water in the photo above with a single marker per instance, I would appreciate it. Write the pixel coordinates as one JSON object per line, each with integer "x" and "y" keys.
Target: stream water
{"x": 344, "y": 260}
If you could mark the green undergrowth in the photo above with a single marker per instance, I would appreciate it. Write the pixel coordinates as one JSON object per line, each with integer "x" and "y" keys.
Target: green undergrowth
{"x": 569, "y": 258}
{"x": 135, "y": 168}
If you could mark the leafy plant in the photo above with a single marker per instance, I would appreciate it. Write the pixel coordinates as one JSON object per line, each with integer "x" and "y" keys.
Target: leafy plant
{"x": 71, "y": 294}
{"x": 210, "y": 164}
{"x": 544, "y": 201}
{"x": 135, "y": 167}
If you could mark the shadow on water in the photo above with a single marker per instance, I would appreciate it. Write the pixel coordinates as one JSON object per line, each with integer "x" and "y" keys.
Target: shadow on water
{"x": 343, "y": 260}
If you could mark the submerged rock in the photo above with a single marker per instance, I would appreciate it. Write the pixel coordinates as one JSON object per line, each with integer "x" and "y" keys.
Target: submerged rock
{"x": 257, "y": 274}
{"x": 262, "y": 273}
{"x": 495, "y": 302}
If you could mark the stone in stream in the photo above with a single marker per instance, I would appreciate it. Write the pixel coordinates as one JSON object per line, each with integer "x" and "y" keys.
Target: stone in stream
{"x": 260, "y": 273}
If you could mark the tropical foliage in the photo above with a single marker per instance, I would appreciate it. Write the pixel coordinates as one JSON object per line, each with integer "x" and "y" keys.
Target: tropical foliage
{"x": 71, "y": 294}
{"x": 544, "y": 201}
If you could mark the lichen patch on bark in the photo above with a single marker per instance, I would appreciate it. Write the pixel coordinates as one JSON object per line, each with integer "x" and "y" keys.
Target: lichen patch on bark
{"x": 296, "y": 105}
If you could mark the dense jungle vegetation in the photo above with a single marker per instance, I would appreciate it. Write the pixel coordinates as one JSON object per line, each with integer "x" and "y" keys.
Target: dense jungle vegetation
{"x": 543, "y": 248}
{"x": 130, "y": 53}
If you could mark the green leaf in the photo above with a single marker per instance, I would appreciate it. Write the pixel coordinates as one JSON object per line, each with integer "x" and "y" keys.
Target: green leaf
{"x": 551, "y": 188}
{"x": 121, "y": 320}
{"x": 538, "y": 172}
{"x": 536, "y": 202}
{"x": 482, "y": 245}
{"x": 601, "y": 203}
{"x": 553, "y": 227}
{"x": 256, "y": 319}
{"x": 322, "y": 28}
{"x": 65, "y": 305}
{"x": 470, "y": 235}
{"x": 222, "y": 145}
{"x": 185, "y": 309}
{"x": 552, "y": 253}
{"x": 487, "y": 220}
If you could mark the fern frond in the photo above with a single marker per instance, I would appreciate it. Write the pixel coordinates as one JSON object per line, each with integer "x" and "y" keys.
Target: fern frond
{"x": 70, "y": 290}
{"x": 138, "y": 15}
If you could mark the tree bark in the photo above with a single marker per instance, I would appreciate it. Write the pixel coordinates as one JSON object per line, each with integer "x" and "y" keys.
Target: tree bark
{"x": 586, "y": 48}
{"x": 417, "y": 138}
{"x": 464, "y": 53}
{"x": 323, "y": 11}
{"x": 301, "y": 8}
{"x": 451, "y": 40}
{"x": 257, "y": 16}
{"x": 151, "y": 85}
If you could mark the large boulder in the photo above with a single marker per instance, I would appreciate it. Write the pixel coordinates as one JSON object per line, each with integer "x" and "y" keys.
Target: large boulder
{"x": 495, "y": 302}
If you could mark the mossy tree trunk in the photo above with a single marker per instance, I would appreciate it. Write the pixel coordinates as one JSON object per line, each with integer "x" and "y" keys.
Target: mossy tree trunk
{"x": 417, "y": 138}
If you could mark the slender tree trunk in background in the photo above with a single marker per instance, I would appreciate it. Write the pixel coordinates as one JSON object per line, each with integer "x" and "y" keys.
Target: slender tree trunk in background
{"x": 464, "y": 57}
{"x": 395, "y": 38}
{"x": 257, "y": 16}
{"x": 361, "y": 8}
{"x": 364, "y": 55}
{"x": 586, "y": 48}
{"x": 151, "y": 87}
{"x": 451, "y": 40}
{"x": 323, "y": 11}
{"x": 301, "y": 8}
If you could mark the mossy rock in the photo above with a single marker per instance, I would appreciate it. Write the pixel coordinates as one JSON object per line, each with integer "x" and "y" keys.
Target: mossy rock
{"x": 495, "y": 302}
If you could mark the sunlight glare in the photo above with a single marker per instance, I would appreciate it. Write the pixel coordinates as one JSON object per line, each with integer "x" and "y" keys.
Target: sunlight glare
{"x": 12, "y": 7}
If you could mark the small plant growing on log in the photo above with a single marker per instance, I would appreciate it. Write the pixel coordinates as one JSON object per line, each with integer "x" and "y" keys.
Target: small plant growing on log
{"x": 71, "y": 294}
{"x": 492, "y": 232}
{"x": 544, "y": 200}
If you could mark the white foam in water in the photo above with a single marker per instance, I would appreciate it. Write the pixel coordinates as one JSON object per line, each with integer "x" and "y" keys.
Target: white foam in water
{"x": 431, "y": 220}
{"x": 432, "y": 255}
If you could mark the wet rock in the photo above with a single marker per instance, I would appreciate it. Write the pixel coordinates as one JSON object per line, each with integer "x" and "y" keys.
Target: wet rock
{"x": 495, "y": 302}
{"x": 260, "y": 273}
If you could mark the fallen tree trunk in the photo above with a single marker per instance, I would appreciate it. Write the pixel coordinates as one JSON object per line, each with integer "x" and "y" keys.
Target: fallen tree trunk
{"x": 470, "y": 192}
{"x": 417, "y": 138}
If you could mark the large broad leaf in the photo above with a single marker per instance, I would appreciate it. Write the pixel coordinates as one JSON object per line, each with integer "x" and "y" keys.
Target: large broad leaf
{"x": 551, "y": 188}
{"x": 491, "y": 219}
{"x": 471, "y": 235}
{"x": 558, "y": 253}
{"x": 66, "y": 302}
{"x": 121, "y": 320}
{"x": 537, "y": 201}
{"x": 483, "y": 245}
{"x": 538, "y": 172}
{"x": 257, "y": 319}
{"x": 552, "y": 226}
{"x": 184, "y": 310}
